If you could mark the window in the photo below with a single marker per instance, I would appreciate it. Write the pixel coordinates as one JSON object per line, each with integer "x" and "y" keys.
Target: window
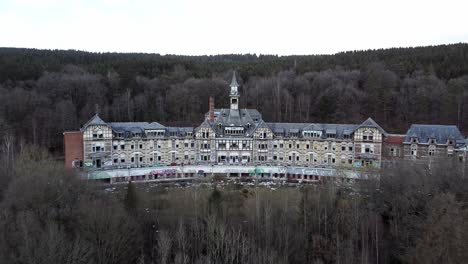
{"x": 116, "y": 161}
{"x": 98, "y": 148}
{"x": 394, "y": 152}
{"x": 115, "y": 147}
{"x": 431, "y": 151}
{"x": 343, "y": 148}
{"x": 368, "y": 149}
{"x": 222, "y": 145}
{"x": 141, "y": 146}
{"x": 205, "y": 146}
{"x": 414, "y": 150}
{"x": 122, "y": 147}
{"x": 350, "y": 148}
{"x": 367, "y": 136}
{"x": 132, "y": 146}
{"x": 122, "y": 160}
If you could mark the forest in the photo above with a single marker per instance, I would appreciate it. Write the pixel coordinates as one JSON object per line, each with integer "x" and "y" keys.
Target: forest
{"x": 46, "y": 92}
{"x": 414, "y": 214}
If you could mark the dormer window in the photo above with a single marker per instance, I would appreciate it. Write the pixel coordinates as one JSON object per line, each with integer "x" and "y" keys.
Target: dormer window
{"x": 248, "y": 125}
{"x": 219, "y": 125}
{"x": 414, "y": 140}
{"x": 432, "y": 141}
{"x": 414, "y": 150}
{"x": 432, "y": 151}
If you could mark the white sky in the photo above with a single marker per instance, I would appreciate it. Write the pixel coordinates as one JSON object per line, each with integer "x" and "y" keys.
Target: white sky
{"x": 200, "y": 27}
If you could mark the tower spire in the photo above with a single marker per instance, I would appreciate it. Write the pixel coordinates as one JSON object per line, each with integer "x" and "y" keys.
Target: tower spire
{"x": 234, "y": 94}
{"x": 234, "y": 80}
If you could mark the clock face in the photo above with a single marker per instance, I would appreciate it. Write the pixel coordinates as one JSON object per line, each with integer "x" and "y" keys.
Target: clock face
{"x": 233, "y": 89}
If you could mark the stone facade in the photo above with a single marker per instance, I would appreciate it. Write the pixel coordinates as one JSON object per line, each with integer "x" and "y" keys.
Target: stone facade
{"x": 240, "y": 136}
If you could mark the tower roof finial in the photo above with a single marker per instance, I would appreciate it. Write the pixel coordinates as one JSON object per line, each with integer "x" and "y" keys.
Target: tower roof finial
{"x": 234, "y": 81}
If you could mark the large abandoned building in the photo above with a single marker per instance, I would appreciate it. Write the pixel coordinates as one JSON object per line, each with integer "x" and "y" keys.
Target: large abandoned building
{"x": 235, "y": 136}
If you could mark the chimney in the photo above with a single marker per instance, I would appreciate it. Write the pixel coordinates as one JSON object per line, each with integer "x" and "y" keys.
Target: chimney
{"x": 211, "y": 118}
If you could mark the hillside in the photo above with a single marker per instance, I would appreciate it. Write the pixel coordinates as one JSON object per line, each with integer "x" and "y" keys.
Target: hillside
{"x": 44, "y": 92}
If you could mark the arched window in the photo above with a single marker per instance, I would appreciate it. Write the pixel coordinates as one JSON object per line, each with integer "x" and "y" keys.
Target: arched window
{"x": 432, "y": 150}
{"x": 414, "y": 150}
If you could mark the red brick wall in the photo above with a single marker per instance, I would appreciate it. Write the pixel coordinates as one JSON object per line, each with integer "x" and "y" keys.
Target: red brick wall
{"x": 73, "y": 144}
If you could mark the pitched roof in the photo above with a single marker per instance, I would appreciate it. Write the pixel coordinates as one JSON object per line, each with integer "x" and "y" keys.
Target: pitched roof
{"x": 95, "y": 120}
{"x": 371, "y": 123}
{"x": 394, "y": 139}
{"x": 441, "y": 133}
{"x": 206, "y": 124}
{"x": 128, "y": 126}
{"x": 338, "y": 129}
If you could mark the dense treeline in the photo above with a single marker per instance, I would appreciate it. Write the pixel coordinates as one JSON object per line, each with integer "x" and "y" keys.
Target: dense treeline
{"x": 414, "y": 215}
{"x": 43, "y": 93}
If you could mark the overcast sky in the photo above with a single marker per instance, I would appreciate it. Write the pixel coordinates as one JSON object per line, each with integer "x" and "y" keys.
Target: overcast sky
{"x": 237, "y": 26}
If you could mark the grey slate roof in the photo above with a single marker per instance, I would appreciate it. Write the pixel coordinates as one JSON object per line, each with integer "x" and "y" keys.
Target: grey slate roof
{"x": 338, "y": 129}
{"x": 441, "y": 133}
{"x": 234, "y": 80}
{"x": 127, "y": 126}
{"x": 237, "y": 118}
{"x": 286, "y": 128}
{"x": 95, "y": 120}
{"x": 371, "y": 123}
{"x": 178, "y": 131}
{"x": 205, "y": 123}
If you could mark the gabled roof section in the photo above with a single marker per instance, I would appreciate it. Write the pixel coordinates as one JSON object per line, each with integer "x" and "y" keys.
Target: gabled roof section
{"x": 441, "y": 133}
{"x": 261, "y": 124}
{"x": 95, "y": 120}
{"x": 371, "y": 123}
{"x": 205, "y": 124}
